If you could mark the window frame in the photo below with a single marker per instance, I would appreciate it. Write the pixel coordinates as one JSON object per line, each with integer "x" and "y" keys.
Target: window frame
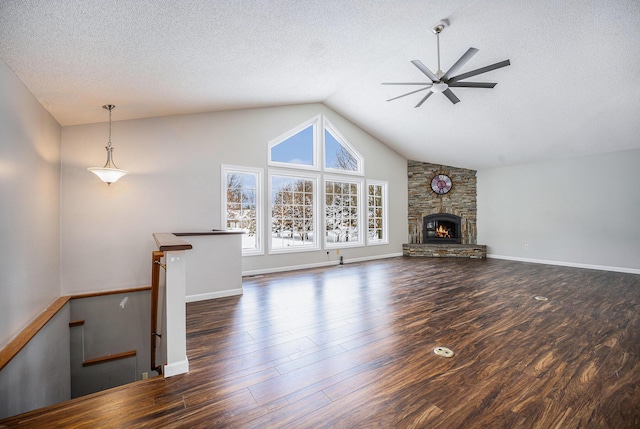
{"x": 316, "y": 123}
{"x": 316, "y": 218}
{"x": 258, "y": 172}
{"x": 385, "y": 212}
{"x": 359, "y": 182}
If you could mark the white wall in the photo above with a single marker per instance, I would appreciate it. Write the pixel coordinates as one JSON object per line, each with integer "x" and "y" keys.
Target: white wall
{"x": 213, "y": 269}
{"x": 29, "y": 206}
{"x": 30, "y": 250}
{"x": 174, "y": 186}
{"x": 578, "y": 212}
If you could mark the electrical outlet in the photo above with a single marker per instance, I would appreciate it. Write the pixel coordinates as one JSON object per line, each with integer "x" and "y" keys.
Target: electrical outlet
{"x": 145, "y": 375}
{"x": 526, "y": 246}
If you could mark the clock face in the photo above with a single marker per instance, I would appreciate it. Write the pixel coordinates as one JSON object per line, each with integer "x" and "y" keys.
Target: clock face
{"x": 441, "y": 184}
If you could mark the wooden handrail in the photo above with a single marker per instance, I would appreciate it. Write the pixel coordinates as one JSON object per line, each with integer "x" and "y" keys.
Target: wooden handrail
{"x": 30, "y": 331}
{"x": 169, "y": 242}
{"x": 109, "y": 358}
{"x": 21, "y": 340}
{"x": 214, "y": 232}
{"x": 156, "y": 257}
{"x": 110, "y": 292}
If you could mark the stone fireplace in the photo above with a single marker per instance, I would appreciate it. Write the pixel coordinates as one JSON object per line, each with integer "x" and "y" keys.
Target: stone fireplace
{"x": 442, "y": 225}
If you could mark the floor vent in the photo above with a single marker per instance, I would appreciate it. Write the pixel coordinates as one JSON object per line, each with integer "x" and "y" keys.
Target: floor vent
{"x": 443, "y": 351}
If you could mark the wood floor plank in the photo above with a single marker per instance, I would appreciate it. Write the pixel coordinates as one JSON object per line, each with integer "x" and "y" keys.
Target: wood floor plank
{"x": 352, "y": 347}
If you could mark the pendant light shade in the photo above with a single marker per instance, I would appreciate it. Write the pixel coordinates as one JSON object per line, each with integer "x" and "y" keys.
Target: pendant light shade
{"x": 110, "y": 172}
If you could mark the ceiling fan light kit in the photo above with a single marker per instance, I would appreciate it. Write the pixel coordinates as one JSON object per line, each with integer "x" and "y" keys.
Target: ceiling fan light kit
{"x": 441, "y": 82}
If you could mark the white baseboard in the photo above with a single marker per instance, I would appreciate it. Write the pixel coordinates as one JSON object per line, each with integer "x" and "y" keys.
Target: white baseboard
{"x": 318, "y": 264}
{"x": 213, "y": 295}
{"x": 567, "y": 264}
{"x": 175, "y": 368}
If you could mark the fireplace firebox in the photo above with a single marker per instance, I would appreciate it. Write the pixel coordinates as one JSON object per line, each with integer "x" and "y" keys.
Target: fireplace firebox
{"x": 441, "y": 228}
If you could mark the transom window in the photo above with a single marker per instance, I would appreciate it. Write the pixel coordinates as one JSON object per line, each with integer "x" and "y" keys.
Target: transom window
{"x": 297, "y": 148}
{"x": 339, "y": 155}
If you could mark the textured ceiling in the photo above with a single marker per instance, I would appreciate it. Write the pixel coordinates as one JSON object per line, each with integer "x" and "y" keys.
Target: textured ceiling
{"x": 573, "y": 87}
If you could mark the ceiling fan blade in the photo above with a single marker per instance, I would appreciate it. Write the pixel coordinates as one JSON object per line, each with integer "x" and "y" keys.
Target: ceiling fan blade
{"x": 425, "y": 70}
{"x": 408, "y": 93}
{"x": 407, "y": 83}
{"x": 424, "y": 99}
{"x": 479, "y": 71}
{"x": 451, "y": 96}
{"x": 461, "y": 62}
{"x": 472, "y": 84}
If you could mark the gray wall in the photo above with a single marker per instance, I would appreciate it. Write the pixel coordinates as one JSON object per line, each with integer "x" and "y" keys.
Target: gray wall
{"x": 113, "y": 324}
{"x": 30, "y": 251}
{"x": 174, "y": 186}
{"x": 581, "y": 212}
{"x": 39, "y": 375}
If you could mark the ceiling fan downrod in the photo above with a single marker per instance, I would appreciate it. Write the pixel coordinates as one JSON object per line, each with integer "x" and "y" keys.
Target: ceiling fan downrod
{"x": 437, "y": 30}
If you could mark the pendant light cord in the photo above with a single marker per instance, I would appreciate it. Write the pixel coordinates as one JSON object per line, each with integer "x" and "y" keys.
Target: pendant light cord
{"x": 110, "y": 163}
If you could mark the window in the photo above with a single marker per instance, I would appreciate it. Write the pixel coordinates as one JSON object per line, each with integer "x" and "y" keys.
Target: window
{"x": 342, "y": 212}
{"x": 377, "y": 213}
{"x": 307, "y": 210}
{"x": 339, "y": 155}
{"x": 297, "y": 148}
{"x": 242, "y": 208}
{"x": 293, "y": 212}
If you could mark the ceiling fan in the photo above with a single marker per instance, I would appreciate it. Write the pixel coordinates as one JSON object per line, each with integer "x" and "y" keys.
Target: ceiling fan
{"x": 443, "y": 82}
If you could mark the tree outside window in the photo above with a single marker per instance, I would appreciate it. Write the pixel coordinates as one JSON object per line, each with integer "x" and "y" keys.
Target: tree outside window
{"x": 241, "y": 211}
{"x": 293, "y": 220}
{"x": 342, "y": 212}
{"x": 377, "y": 212}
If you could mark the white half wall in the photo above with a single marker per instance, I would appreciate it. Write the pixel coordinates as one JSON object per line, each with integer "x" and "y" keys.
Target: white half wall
{"x": 582, "y": 212}
{"x": 214, "y": 266}
{"x": 174, "y": 186}
{"x": 29, "y": 206}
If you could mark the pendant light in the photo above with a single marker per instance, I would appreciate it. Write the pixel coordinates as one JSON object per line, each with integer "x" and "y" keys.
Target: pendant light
{"x": 110, "y": 172}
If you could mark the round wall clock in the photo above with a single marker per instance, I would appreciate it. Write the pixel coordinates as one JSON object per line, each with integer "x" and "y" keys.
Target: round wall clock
{"x": 441, "y": 184}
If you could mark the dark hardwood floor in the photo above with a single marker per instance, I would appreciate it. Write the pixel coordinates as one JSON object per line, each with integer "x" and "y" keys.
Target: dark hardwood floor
{"x": 352, "y": 347}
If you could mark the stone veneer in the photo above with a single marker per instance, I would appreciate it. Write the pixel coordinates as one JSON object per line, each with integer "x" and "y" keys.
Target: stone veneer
{"x": 459, "y": 201}
{"x": 473, "y": 251}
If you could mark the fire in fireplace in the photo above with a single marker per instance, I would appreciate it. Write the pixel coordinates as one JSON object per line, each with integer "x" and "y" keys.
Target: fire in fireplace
{"x": 441, "y": 228}
{"x": 443, "y": 232}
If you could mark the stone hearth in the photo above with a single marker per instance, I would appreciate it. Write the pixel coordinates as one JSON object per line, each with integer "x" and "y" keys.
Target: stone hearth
{"x": 474, "y": 251}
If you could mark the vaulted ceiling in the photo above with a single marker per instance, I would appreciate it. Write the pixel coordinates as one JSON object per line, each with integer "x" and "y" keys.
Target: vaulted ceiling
{"x": 573, "y": 87}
